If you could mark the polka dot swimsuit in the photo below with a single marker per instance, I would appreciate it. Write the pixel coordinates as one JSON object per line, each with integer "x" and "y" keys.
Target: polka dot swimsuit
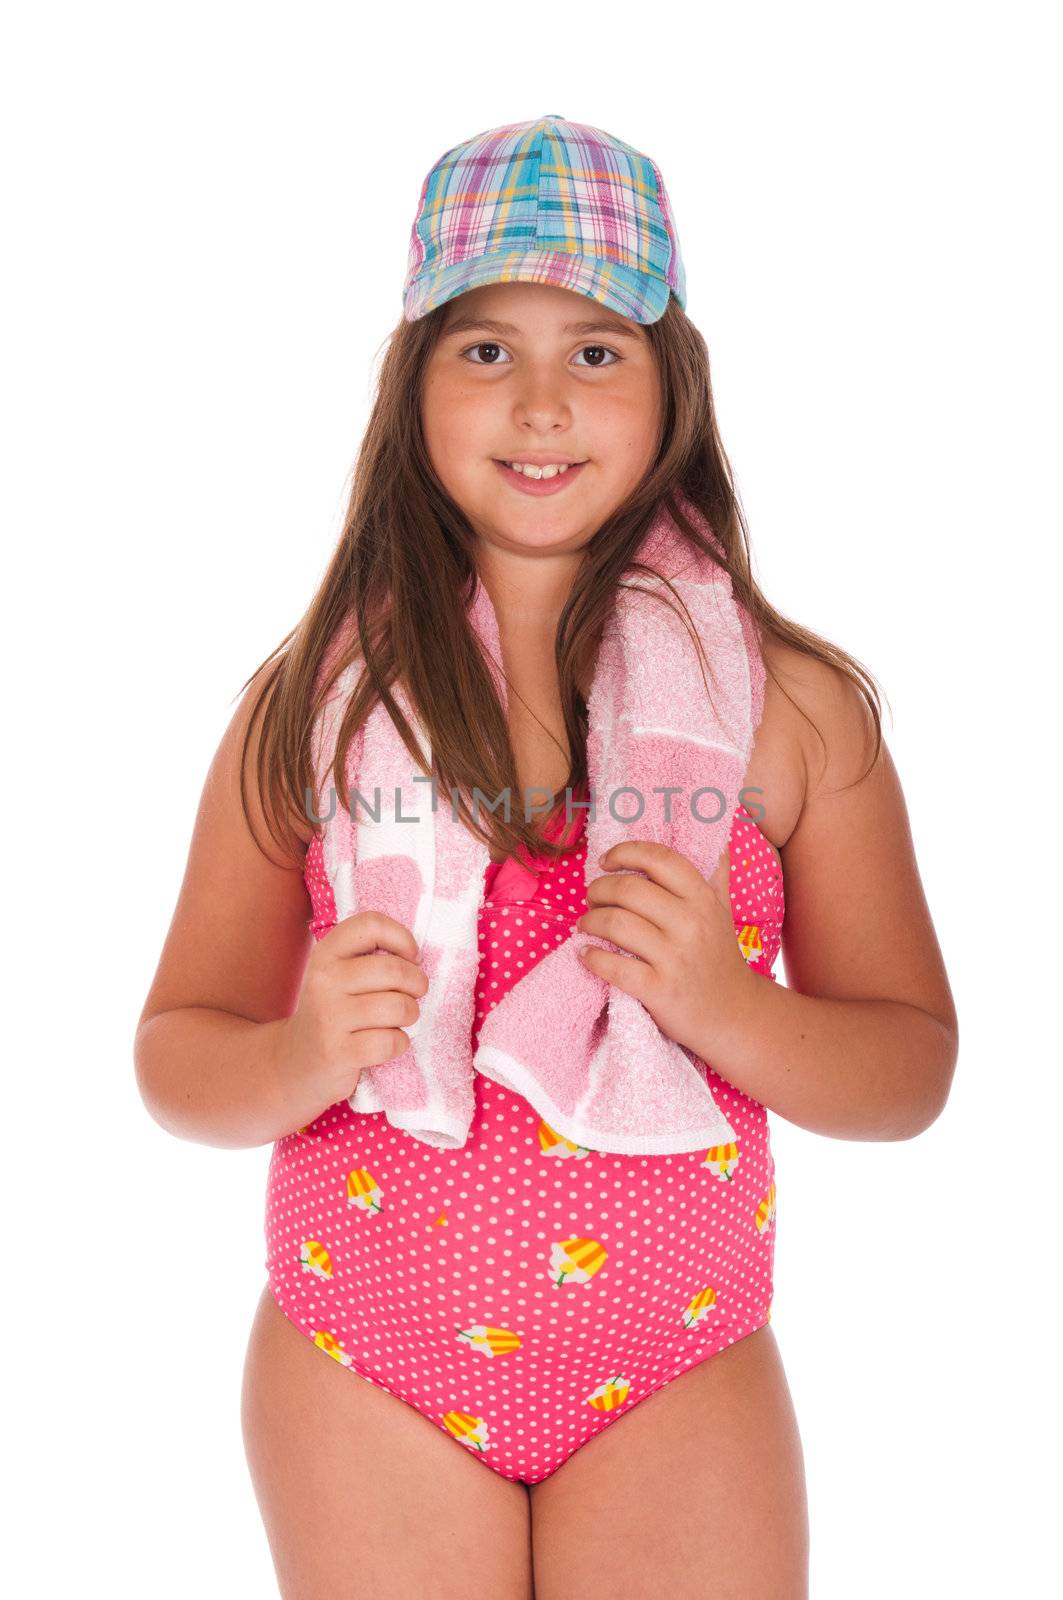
{"x": 523, "y": 1292}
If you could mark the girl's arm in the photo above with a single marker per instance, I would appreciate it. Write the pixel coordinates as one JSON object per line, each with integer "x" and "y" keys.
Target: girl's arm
{"x": 863, "y": 1043}
{"x": 231, "y": 966}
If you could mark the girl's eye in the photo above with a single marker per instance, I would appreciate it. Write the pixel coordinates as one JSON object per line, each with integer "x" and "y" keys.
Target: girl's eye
{"x": 486, "y": 345}
{"x": 604, "y": 349}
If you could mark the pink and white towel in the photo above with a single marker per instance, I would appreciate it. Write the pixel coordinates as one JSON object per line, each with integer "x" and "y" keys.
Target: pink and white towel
{"x": 586, "y": 1055}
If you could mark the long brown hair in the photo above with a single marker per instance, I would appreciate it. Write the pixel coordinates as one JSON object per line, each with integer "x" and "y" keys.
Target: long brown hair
{"x": 396, "y": 589}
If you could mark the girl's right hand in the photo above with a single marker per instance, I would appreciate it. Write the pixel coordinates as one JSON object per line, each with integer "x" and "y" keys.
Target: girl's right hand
{"x": 359, "y": 991}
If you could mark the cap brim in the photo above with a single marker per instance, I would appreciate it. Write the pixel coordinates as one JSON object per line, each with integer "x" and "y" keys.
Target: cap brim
{"x": 632, "y": 294}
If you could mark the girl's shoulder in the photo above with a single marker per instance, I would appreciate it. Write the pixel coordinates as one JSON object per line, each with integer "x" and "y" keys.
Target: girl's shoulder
{"x": 237, "y": 766}
{"x": 815, "y": 726}
{"x": 857, "y": 919}
{"x": 832, "y": 722}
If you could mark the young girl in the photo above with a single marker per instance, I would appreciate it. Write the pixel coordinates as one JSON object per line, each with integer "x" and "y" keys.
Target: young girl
{"x": 521, "y": 1206}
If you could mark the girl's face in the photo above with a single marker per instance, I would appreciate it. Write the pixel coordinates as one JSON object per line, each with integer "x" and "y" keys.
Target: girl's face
{"x": 530, "y": 369}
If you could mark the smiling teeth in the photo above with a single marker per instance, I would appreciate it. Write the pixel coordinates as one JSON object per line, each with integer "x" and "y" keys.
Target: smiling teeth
{"x": 551, "y": 471}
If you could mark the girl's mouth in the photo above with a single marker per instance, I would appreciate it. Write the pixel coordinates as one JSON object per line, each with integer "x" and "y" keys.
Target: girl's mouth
{"x": 539, "y": 486}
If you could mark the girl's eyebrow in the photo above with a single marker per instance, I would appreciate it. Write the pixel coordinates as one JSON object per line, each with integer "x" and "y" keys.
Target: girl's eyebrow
{"x": 508, "y": 330}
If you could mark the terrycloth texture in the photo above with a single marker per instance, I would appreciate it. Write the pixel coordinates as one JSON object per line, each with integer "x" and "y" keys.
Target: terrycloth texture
{"x": 586, "y": 1055}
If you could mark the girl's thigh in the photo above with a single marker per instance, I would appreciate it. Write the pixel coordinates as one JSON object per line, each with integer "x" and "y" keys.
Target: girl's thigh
{"x": 700, "y": 1488}
{"x": 363, "y": 1496}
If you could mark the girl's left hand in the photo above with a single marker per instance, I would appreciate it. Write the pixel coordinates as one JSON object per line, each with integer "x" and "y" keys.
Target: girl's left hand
{"x": 690, "y": 971}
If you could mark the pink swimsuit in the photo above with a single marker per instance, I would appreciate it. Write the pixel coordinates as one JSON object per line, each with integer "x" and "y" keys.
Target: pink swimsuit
{"x": 523, "y": 1293}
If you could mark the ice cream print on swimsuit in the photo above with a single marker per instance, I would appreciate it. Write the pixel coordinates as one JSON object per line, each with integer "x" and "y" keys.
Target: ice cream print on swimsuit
{"x": 525, "y": 1291}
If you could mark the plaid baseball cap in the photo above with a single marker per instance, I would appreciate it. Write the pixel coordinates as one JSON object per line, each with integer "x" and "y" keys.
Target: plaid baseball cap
{"x": 548, "y": 201}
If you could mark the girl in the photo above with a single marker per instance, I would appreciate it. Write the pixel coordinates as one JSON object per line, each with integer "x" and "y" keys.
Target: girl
{"x": 521, "y": 1191}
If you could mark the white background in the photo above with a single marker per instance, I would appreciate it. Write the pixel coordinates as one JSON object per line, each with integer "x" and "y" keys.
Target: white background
{"x": 207, "y": 212}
